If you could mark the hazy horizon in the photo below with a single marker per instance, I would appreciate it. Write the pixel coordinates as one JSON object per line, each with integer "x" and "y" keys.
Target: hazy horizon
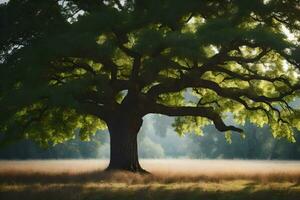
{"x": 157, "y": 139}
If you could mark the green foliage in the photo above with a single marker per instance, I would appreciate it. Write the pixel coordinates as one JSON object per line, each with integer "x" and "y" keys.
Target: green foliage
{"x": 258, "y": 143}
{"x": 72, "y": 65}
{"x": 228, "y": 137}
{"x": 185, "y": 125}
{"x": 74, "y": 148}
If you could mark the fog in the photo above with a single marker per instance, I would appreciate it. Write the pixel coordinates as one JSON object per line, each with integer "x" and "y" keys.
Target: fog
{"x": 157, "y": 139}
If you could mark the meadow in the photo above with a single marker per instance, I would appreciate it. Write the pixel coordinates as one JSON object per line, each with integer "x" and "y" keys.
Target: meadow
{"x": 169, "y": 179}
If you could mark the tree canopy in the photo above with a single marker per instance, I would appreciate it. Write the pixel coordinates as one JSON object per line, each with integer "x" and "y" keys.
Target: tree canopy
{"x": 70, "y": 65}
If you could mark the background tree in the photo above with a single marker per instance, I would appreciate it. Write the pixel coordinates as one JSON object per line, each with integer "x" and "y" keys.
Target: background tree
{"x": 74, "y": 148}
{"x": 87, "y": 65}
{"x": 258, "y": 144}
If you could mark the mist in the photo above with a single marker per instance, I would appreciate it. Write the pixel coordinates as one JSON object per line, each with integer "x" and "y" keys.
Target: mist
{"x": 157, "y": 139}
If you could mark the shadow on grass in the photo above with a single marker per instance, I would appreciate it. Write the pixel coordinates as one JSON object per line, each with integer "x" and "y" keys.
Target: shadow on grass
{"x": 80, "y": 192}
{"x": 132, "y": 178}
{"x": 77, "y": 178}
{"x": 46, "y": 178}
{"x": 100, "y": 185}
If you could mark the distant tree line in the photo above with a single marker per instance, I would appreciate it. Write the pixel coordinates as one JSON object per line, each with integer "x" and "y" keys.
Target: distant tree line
{"x": 157, "y": 141}
{"x": 258, "y": 144}
{"x": 75, "y": 148}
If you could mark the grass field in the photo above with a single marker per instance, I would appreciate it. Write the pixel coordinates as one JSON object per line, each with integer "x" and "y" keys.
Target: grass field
{"x": 170, "y": 179}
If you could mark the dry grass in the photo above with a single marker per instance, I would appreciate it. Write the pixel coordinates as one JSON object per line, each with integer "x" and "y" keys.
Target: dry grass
{"x": 168, "y": 170}
{"x": 170, "y": 179}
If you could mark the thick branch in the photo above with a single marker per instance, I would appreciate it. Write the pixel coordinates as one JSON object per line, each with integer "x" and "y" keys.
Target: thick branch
{"x": 235, "y": 94}
{"x": 206, "y": 112}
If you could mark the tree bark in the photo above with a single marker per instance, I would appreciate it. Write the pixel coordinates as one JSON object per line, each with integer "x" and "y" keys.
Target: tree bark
{"x": 123, "y": 144}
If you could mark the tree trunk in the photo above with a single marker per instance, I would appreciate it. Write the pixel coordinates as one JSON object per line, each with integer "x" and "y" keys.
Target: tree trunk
{"x": 123, "y": 144}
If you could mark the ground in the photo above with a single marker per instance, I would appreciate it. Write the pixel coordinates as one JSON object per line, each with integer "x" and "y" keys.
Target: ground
{"x": 170, "y": 179}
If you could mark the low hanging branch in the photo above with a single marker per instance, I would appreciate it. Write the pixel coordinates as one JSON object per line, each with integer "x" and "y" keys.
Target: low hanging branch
{"x": 206, "y": 112}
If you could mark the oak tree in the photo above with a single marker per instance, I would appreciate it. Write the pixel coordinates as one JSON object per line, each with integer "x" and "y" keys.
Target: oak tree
{"x": 87, "y": 65}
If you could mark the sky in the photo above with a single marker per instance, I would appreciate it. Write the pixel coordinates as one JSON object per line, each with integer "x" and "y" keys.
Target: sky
{"x": 3, "y": 1}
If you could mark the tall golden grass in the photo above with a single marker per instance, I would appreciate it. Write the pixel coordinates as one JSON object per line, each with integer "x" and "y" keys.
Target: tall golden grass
{"x": 170, "y": 179}
{"x": 166, "y": 170}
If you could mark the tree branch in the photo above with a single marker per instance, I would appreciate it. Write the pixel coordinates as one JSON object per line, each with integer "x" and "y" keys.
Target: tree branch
{"x": 206, "y": 112}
